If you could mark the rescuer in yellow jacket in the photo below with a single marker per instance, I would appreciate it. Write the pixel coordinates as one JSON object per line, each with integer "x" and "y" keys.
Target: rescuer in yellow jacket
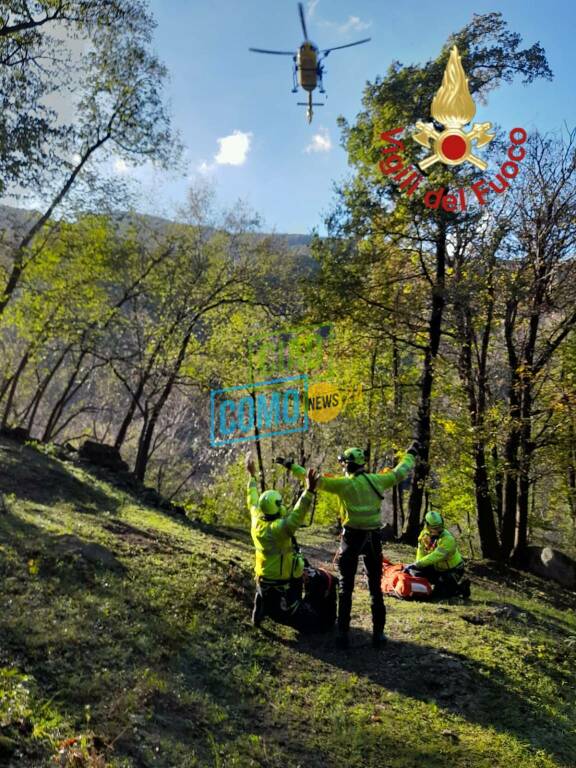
{"x": 360, "y": 495}
{"x": 438, "y": 559}
{"x": 279, "y": 565}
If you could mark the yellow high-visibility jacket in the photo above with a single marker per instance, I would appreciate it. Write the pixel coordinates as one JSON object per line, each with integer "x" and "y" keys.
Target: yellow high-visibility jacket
{"x": 441, "y": 552}
{"x": 359, "y": 503}
{"x": 275, "y": 555}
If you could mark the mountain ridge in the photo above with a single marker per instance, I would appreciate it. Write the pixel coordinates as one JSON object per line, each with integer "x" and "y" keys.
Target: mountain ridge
{"x": 18, "y": 219}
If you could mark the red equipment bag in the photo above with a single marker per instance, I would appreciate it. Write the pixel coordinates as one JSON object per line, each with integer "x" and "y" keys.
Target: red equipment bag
{"x": 396, "y": 583}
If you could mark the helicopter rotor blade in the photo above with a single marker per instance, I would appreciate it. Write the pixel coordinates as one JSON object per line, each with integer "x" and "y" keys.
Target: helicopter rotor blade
{"x": 277, "y": 53}
{"x": 302, "y": 20}
{"x": 326, "y": 51}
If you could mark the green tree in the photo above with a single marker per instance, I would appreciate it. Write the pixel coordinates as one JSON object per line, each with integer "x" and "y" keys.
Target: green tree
{"x": 114, "y": 89}
{"x": 371, "y": 207}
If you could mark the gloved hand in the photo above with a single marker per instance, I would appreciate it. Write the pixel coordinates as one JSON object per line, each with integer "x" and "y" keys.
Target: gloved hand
{"x": 414, "y": 448}
{"x": 407, "y": 568}
{"x": 283, "y": 462}
{"x": 312, "y": 477}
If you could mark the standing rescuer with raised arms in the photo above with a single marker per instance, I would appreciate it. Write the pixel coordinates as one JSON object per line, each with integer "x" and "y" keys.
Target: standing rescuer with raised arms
{"x": 360, "y": 495}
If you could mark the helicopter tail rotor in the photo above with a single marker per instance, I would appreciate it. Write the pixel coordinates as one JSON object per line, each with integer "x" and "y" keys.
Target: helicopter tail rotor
{"x": 303, "y": 20}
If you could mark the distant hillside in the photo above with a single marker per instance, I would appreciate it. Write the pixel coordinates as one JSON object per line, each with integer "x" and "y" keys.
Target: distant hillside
{"x": 125, "y": 642}
{"x": 12, "y": 217}
{"x": 16, "y": 221}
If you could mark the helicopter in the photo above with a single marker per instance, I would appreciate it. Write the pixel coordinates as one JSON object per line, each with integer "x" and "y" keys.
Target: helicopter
{"x": 308, "y": 69}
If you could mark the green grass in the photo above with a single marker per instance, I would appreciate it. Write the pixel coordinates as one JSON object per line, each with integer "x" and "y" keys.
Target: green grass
{"x": 152, "y": 661}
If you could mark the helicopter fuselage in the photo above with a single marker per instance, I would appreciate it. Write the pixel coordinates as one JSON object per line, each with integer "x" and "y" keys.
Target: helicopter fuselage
{"x": 307, "y": 66}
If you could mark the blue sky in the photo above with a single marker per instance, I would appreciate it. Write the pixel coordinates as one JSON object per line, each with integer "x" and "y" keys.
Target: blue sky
{"x": 218, "y": 90}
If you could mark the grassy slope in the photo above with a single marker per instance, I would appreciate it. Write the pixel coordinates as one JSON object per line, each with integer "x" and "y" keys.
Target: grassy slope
{"x": 154, "y": 662}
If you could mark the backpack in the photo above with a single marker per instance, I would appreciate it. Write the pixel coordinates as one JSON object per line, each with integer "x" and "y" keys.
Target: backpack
{"x": 321, "y": 594}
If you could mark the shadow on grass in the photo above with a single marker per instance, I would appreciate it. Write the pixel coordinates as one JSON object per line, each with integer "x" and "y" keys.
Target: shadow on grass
{"x": 226, "y": 533}
{"x": 46, "y": 550}
{"x": 89, "y": 635}
{"x": 35, "y": 477}
{"x": 452, "y": 681}
{"x": 208, "y": 706}
{"x": 521, "y": 619}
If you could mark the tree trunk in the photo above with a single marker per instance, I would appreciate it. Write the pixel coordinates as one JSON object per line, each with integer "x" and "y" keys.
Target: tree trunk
{"x": 571, "y": 472}
{"x": 41, "y": 390}
{"x": 511, "y": 448}
{"x": 149, "y": 425}
{"x": 527, "y": 449}
{"x": 486, "y": 526}
{"x": 412, "y": 528}
{"x": 510, "y": 492}
{"x": 18, "y": 264}
{"x": 128, "y": 418}
{"x": 136, "y": 397}
{"x": 521, "y": 536}
{"x": 498, "y": 488}
{"x": 6, "y": 381}
{"x": 63, "y": 400}
{"x": 11, "y": 393}
{"x": 477, "y": 398}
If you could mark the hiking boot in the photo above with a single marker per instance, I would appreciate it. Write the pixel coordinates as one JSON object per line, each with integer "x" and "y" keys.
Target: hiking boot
{"x": 465, "y": 589}
{"x": 342, "y": 642}
{"x": 379, "y": 639}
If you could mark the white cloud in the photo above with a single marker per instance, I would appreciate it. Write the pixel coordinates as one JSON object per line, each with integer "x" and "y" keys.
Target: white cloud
{"x": 354, "y": 24}
{"x": 311, "y": 7}
{"x": 233, "y": 151}
{"x": 233, "y": 148}
{"x": 321, "y": 142}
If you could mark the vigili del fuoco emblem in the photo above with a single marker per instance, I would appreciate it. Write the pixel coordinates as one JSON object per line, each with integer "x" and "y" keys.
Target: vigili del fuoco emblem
{"x": 453, "y": 108}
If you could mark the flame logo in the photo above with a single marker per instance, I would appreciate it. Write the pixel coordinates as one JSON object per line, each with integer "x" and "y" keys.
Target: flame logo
{"x": 453, "y": 106}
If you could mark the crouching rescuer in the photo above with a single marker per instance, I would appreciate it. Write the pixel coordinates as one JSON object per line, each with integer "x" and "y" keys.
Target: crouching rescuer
{"x": 438, "y": 559}
{"x": 360, "y": 494}
{"x": 280, "y": 567}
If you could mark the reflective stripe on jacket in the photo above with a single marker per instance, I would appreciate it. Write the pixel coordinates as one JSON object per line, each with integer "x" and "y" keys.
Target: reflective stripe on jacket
{"x": 441, "y": 552}
{"x": 359, "y": 503}
{"x": 275, "y": 555}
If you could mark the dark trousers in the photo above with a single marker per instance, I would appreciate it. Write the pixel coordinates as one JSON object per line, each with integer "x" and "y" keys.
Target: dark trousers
{"x": 354, "y": 543}
{"x": 446, "y": 583}
{"x": 283, "y": 602}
